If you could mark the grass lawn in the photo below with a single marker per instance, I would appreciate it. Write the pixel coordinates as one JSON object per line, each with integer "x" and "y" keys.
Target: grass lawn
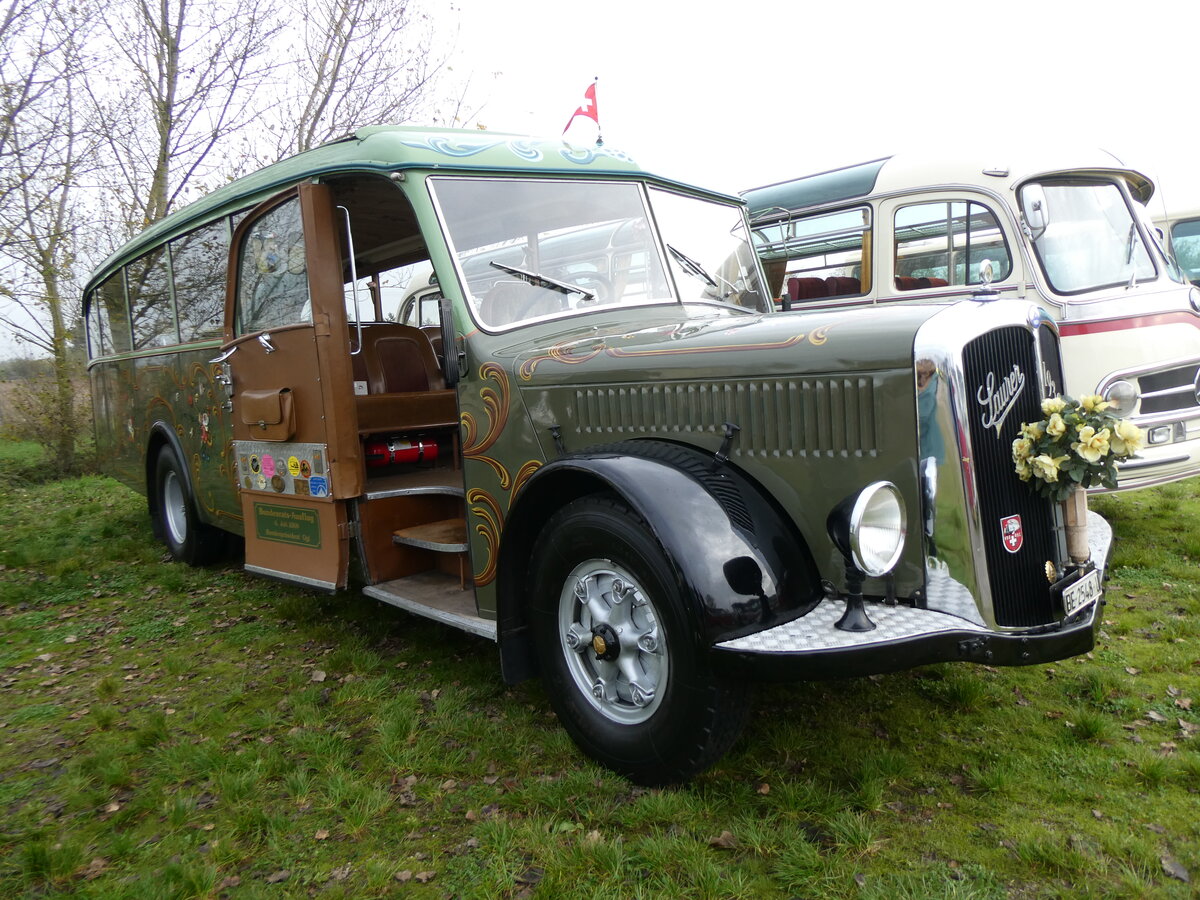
{"x": 172, "y": 732}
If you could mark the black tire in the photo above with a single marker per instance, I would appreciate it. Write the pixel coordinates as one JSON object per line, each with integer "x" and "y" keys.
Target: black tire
{"x": 189, "y": 540}
{"x": 649, "y": 709}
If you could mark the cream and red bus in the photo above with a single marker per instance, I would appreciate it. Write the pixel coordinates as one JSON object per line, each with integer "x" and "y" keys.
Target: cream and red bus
{"x": 1070, "y": 235}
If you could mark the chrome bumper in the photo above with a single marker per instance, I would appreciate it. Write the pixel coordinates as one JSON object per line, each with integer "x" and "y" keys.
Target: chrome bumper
{"x": 811, "y": 647}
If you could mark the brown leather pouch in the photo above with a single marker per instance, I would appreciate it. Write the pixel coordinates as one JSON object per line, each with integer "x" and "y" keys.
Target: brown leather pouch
{"x": 269, "y": 413}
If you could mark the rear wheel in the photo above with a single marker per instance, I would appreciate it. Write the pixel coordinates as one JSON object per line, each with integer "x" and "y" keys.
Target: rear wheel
{"x": 188, "y": 539}
{"x": 622, "y": 666}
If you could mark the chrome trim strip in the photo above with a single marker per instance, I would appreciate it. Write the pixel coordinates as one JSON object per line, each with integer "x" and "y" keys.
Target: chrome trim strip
{"x": 485, "y": 628}
{"x": 288, "y": 576}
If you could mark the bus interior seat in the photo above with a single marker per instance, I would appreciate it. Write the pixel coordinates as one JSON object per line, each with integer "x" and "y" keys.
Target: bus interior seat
{"x": 501, "y": 303}
{"x": 909, "y": 283}
{"x": 841, "y": 286}
{"x": 805, "y": 288}
{"x": 434, "y": 333}
{"x": 397, "y": 359}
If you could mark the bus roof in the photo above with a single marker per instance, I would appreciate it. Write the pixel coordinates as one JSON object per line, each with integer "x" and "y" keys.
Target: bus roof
{"x": 386, "y": 149}
{"x": 907, "y": 172}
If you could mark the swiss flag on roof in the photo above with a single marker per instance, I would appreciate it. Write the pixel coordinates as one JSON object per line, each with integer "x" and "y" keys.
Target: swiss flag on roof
{"x": 587, "y": 108}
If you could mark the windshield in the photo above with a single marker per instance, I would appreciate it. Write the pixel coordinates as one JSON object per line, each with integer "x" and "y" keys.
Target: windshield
{"x": 529, "y": 250}
{"x": 709, "y": 249}
{"x": 1091, "y": 239}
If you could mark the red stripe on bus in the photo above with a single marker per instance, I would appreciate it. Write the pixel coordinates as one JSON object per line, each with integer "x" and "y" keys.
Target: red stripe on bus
{"x": 1070, "y": 329}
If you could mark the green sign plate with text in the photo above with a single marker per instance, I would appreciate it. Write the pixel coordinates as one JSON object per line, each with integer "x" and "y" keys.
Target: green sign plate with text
{"x": 287, "y": 525}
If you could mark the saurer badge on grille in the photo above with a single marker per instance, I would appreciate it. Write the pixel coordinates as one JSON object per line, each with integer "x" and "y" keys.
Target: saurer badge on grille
{"x": 998, "y": 396}
{"x": 1010, "y": 529}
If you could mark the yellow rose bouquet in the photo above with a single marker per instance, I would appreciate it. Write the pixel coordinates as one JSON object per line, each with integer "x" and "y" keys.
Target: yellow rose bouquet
{"x": 1077, "y": 444}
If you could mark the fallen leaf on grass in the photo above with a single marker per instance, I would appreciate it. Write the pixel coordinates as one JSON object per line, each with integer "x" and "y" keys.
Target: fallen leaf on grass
{"x": 322, "y": 834}
{"x": 277, "y": 877}
{"x": 1155, "y": 716}
{"x": 1132, "y": 671}
{"x": 95, "y": 868}
{"x": 424, "y": 877}
{"x": 1172, "y": 867}
{"x": 532, "y": 875}
{"x": 317, "y": 676}
{"x": 724, "y": 841}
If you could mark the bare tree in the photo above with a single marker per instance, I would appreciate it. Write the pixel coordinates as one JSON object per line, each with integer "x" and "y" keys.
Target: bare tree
{"x": 189, "y": 75}
{"x": 46, "y": 156}
{"x": 29, "y": 70}
{"x": 355, "y": 63}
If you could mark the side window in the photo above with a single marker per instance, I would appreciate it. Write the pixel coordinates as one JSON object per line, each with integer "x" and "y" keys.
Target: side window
{"x": 108, "y": 324}
{"x": 1185, "y": 243}
{"x": 151, "y": 311}
{"x": 198, "y": 262}
{"x": 939, "y": 244}
{"x": 272, "y": 286}
{"x": 411, "y": 294}
{"x": 826, "y": 255}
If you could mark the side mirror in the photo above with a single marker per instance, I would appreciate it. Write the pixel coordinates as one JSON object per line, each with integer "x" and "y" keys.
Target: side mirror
{"x": 1034, "y": 210}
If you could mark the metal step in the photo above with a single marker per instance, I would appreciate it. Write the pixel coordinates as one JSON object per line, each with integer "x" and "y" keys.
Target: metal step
{"x": 437, "y": 596}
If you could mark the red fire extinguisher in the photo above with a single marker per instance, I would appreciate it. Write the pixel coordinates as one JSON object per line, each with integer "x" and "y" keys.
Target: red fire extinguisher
{"x": 399, "y": 449}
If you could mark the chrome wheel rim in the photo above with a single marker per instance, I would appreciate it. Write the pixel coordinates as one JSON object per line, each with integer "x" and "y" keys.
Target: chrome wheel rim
{"x": 174, "y": 507}
{"x": 613, "y": 642}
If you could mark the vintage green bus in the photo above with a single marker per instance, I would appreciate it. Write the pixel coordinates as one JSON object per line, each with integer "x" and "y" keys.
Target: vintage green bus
{"x": 541, "y": 395}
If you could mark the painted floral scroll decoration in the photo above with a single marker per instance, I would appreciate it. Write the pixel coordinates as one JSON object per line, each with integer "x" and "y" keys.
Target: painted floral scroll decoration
{"x": 495, "y": 403}
{"x": 1076, "y": 445}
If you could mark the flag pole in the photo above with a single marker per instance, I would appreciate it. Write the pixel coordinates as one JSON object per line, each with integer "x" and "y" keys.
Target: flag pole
{"x": 599, "y": 134}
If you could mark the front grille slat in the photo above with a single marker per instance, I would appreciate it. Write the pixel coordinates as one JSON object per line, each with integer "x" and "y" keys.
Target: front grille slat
{"x": 1172, "y": 391}
{"x": 1020, "y": 590}
{"x": 778, "y": 417}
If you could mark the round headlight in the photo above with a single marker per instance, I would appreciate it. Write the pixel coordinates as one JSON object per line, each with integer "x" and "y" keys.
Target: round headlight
{"x": 870, "y": 528}
{"x": 1123, "y": 396}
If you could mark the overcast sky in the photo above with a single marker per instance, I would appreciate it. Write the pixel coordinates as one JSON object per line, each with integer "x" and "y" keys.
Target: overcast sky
{"x": 746, "y": 93}
{"x": 740, "y": 94}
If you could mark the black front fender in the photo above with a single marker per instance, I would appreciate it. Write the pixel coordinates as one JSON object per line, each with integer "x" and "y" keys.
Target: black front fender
{"x": 735, "y": 556}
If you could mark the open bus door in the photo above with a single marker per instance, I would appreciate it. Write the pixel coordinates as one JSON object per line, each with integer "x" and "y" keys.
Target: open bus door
{"x": 298, "y": 458}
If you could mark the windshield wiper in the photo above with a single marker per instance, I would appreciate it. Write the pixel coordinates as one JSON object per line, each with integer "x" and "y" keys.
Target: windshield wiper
{"x": 1132, "y": 238}
{"x": 695, "y": 269}
{"x": 691, "y": 266}
{"x": 545, "y": 281}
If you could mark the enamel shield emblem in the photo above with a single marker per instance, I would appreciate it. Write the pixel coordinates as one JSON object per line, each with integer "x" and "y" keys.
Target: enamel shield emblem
{"x": 1011, "y": 533}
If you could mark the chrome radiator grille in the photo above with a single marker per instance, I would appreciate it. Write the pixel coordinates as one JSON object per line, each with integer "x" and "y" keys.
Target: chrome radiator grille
{"x": 1020, "y": 589}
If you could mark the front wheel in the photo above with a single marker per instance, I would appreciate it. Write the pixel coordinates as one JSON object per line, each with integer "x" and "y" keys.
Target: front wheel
{"x": 189, "y": 540}
{"x": 623, "y": 669}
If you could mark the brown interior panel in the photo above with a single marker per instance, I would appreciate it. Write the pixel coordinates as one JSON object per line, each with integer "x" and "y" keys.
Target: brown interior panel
{"x": 380, "y": 518}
